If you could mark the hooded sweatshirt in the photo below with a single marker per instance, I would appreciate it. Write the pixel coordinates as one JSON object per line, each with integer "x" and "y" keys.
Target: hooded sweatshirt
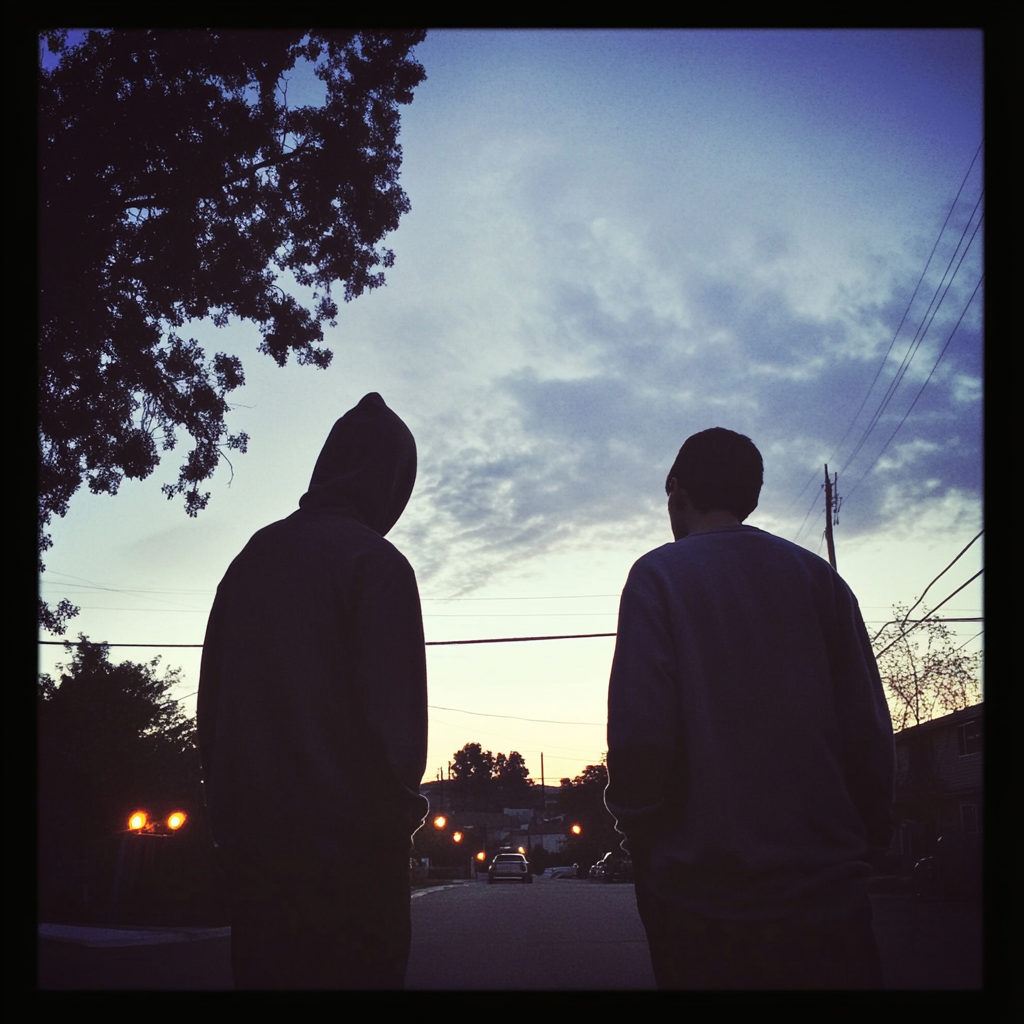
{"x": 312, "y": 696}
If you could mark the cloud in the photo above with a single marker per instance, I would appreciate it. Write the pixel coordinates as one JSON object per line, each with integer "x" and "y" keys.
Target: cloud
{"x": 553, "y": 456}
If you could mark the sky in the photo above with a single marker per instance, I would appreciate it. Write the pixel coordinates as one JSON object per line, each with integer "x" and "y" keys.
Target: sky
{"x": 617, "y": 238}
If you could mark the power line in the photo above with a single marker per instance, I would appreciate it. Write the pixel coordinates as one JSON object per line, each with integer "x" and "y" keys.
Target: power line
{"x": 479, "y": 714}
{"x": 518, "y": 718}
{"x": 920, "y": 390}
{"x": 806, "y": 517}
{"x": 428, "y": 643}
{"x": 878, "y": 654}
{"x": 903, "y": 319}
{"x": 892, "y": 622}
{"x": 90, "y": 585}
{"x": 920, "y": 333}
{"x": 515, "y": 639}
{"x": 485, "y": 640}
{"x": 941, "y": 574}
{"x": 966, "y": 642}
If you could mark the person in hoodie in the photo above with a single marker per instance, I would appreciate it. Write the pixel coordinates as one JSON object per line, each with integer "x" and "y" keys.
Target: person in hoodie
{"x": 312, "y": 720}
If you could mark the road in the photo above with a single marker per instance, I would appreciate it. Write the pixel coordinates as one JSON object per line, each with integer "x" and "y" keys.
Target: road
{"x": 549, "y": 935}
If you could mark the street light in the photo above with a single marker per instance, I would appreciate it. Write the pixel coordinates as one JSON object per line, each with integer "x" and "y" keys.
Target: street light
{"x": 456, "y": 837}
{"x": 440, "y": 821}
{"x": 576, "y": 830}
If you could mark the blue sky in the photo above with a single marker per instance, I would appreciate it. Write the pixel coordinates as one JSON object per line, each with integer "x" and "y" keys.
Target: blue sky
{"x": 617, "y": 239}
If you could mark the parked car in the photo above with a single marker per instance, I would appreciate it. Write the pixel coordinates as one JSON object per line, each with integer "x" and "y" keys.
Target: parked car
{"x": 509, "y": 867}
{"x": 613, "y": 867}
{"x": 562, "y": 872}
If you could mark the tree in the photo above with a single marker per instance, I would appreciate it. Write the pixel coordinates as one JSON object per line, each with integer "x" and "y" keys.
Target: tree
{"x": 109, "y": 736}
{"x": 485, "y": 782}
{"x": 512, "y": 779}
{"x": 923, "y": 673}
{"x": 111, "y": 739}
{"x": 582, "y": 800}
{"x": 177, "y": 184}
{"x": 472, "y": 768}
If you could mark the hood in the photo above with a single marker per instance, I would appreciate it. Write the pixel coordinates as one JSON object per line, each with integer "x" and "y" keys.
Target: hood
{"x": 367, "y": 466}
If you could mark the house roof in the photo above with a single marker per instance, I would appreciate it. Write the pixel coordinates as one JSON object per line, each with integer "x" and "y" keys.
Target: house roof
{"x": 946, "y": 721}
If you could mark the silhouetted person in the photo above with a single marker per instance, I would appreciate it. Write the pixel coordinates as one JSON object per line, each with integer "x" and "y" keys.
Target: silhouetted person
{"x": 750, "y": 751}
{"x": 313, "y": 723}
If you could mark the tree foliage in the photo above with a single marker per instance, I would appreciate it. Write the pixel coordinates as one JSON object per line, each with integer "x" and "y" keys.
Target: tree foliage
{"x": 487, "y": 781}
{"x": 177, "y": 184}
{"x": 112, "y": 740}
{"x": 924, "y": 672}
{"x": 110, "y": 737}
{"x": 582, "y": 801}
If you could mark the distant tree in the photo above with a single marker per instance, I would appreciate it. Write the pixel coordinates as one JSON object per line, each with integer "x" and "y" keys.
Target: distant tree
{"x": 472, "y": 771}
{"x": 110, "y": 737}
{"x": 488, "y": 782}
{"x": 582, "y": 801}
{"x": 512, "y": 779}
{"x": 924, "y": 672}
{"x": 112, "y": 740}
{"x": 472, "y": 763}
{"x": 177, "y": 184}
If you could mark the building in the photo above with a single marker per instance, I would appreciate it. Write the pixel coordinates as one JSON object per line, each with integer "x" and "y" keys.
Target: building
{"x": 940, "y": 791}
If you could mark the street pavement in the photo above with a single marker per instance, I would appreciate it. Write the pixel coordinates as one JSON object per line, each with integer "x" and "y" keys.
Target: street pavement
{"x": 552, "y": 935}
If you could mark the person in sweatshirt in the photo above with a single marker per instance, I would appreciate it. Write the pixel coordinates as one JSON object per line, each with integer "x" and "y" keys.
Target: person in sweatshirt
{"x": 312, "y": 716}
{"x": 750, "y": 750}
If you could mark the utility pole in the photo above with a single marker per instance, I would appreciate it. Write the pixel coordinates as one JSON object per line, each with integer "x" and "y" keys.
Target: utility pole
{"x": 832, "y": 502}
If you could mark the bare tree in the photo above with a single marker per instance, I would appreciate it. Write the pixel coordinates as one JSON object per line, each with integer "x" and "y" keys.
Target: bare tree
{"x": 924, "y": 672}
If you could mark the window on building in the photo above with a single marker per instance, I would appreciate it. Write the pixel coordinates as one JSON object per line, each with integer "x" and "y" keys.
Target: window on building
{"x": 969, "y": 737}
{"x": 969, "y": 817}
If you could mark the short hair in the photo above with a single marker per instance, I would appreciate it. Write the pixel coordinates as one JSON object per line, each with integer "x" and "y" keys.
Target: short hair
{"x": 719, "y": 469}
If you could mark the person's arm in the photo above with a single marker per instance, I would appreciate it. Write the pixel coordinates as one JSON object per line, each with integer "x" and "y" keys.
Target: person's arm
{"x": 208, "y": 697}
{"x": 392, "y": 674}
{"x": 642, "y": 712}
{"x": 863, "y": 715}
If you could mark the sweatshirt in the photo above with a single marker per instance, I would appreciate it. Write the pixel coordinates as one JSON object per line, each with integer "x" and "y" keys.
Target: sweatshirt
{"x": 750, "y": 750}
{"x": 312, "y": 696}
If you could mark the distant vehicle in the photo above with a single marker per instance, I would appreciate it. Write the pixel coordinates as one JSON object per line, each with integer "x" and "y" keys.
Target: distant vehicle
{"x": 559, "y": 872}
{"x": 512, "y": 867}
{"x": 613, "y": 867}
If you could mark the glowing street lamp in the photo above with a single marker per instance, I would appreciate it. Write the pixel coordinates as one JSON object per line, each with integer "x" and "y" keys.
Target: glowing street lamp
{"x": 576, "y": 830}
{"x": 440, "y": 821}
{"x": 176, "y": 820}
{"x": 456, "y": 837}
{"x": 138, "y": 821}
